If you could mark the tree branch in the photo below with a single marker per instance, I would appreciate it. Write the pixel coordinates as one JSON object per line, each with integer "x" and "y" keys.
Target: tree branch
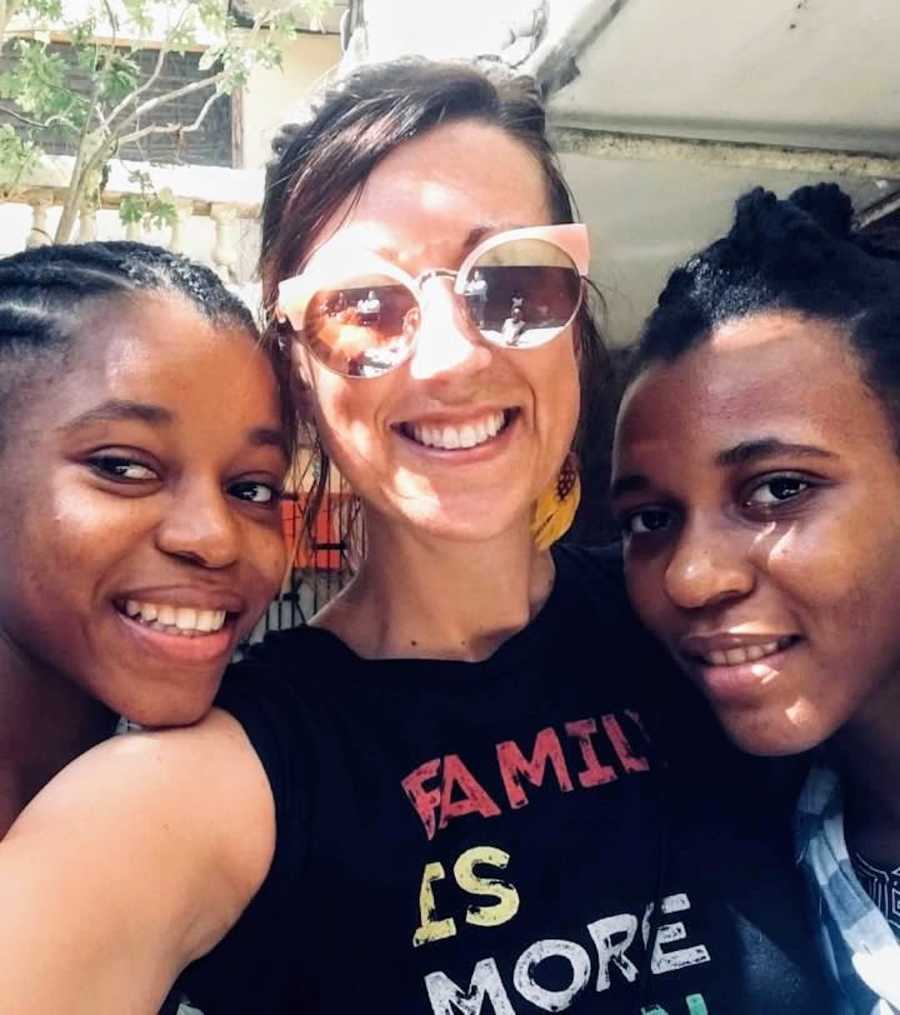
{"x": 176, "y": 93}
{"x": 171, "y": 128}
{"x": 164, "y": 51}
{"x": 22, "y": 119}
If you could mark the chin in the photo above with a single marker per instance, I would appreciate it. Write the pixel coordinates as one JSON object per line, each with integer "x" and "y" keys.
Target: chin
{"x": 172, "y": 709}
{"x": 769, "y": 736}
{"x": 466, "y": 522}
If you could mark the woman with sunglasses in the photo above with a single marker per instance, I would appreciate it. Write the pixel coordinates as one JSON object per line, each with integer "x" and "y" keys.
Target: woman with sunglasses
{"x": 455, "y": 794}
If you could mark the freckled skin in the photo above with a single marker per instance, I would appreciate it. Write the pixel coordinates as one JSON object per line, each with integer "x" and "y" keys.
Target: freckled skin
{"x": 822, "y": 564}
{"x": 73, "y": 540}
{"x": 421, "y": 203}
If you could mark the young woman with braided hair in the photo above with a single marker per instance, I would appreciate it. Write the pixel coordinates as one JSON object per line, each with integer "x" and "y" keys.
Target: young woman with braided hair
{"x": 449, "y": 793}
{"x": 757, "y": 478}
{"x": 139, "y": 531}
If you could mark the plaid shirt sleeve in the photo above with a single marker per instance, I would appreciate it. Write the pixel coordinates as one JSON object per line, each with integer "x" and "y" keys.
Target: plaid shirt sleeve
{"x": 856, "y": 939}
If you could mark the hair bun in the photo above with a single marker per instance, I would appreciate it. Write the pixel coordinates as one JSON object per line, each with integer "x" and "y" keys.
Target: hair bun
{"x": 829, "y": 206}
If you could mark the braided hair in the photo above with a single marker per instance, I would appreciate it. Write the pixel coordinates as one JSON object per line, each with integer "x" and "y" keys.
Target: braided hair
{"x": 798, "y": 255}
{"x": 40, "y": 289}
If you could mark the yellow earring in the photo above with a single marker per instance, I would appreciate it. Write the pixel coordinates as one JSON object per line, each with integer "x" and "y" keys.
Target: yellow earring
{"x": 555, "y": 509}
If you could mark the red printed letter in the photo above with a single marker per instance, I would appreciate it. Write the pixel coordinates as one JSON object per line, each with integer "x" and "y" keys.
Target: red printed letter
{"x": 631, "y": 762}
{"x": 425, "y": 801}
{"x": 513, "y": 764}
{"x": 595, "y": 773}
{"x": 474, "y": 798}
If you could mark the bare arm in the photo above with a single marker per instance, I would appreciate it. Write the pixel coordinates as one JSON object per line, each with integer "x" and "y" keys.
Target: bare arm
{"x": 132, "y": 862}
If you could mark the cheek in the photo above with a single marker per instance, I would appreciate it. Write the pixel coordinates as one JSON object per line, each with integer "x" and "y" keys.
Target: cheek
{"x": 555, "y": 381}
{"x": 644, "y": 580}
{"x": 73, "y": 535}
{"x": 266, "y": 559}
{"x": 839, "y": 565}
{"x": 347, "y": 414}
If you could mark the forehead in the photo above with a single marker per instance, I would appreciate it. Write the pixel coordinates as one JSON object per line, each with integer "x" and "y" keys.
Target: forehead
{"x": 149, "y": 347}
{"x": 774, "y": 374}
{"x": 141, "y": 338}
{"x": 455, "y": 178}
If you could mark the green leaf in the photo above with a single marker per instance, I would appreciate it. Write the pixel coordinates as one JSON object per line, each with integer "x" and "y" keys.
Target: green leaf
{"x": 19, "y": 155}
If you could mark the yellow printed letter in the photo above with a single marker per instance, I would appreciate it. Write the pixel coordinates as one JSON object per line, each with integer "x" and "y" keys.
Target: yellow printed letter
{"x": 430, "y": 929}
{"x": 507, "y": 904}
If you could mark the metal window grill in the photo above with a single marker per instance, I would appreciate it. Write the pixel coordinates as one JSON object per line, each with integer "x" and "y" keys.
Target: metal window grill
{"x": 321, "y": 565}
{"x": 210, "y": 145}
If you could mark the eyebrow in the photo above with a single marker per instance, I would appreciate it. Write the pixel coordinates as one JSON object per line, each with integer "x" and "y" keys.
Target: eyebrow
{"x": 121, "y": 410}
{"x": 472, "y": 238}
{"x": 479, "y": 233}
{"x": 767, "y": 447}
{"x": 266, "y": 437}
{"x": 118, "y": 409}
{"x": 634, "y": 483}
{"x": 744, "y": 453}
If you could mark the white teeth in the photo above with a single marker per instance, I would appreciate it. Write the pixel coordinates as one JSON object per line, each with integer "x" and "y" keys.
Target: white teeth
{"x": 451, "y": 438}
{"x": 468, "y": 438}
{"x": 205, "y": 620}
{"x": 750, "y": 654}
{"x": 184, "y": 620}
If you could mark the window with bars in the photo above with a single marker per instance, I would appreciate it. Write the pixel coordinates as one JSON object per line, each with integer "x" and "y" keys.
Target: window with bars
{"x": 210, "y": 145}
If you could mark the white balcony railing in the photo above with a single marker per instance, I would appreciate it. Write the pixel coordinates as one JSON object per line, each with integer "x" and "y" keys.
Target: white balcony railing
{"x": 216, "y": 221}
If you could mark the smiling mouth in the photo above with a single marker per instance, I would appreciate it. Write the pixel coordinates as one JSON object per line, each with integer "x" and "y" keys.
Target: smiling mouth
{"x": 471, "y": 434}
{"x": 745, "y": 654}
{"x": 182, "y": 621}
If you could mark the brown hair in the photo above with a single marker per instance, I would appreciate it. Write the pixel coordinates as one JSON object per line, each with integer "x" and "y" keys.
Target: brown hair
{"x": 355, "y": 123}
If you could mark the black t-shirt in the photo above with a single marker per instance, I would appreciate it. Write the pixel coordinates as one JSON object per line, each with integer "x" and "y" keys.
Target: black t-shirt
{"x": 501, "y": 838}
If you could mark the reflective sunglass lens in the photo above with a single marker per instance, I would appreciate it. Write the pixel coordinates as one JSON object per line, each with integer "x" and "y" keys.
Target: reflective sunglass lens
{"x": 523, "y": 293}
{"x": 362, "y": 328}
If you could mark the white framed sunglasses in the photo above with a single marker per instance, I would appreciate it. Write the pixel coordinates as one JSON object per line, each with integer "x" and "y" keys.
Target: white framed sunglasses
{"x": 359, "y": 314}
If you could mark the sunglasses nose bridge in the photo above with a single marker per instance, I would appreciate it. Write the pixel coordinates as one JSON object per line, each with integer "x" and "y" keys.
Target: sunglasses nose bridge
{"x": 421, "y": 281}
{"x": 430, "y": 273}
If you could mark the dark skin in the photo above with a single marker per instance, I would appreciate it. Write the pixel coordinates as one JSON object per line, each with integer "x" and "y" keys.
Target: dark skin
{"x": 757, "y": 480}
{"x": 126, "y": 483}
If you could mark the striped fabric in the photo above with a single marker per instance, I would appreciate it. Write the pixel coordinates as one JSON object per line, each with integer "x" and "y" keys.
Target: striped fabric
{"x": 859, "y": 945}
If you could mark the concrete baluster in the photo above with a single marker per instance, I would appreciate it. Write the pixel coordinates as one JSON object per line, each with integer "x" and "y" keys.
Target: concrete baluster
{"x": 224, "y": 253}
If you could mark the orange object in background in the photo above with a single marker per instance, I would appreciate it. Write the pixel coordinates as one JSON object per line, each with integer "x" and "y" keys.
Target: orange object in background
{"x": 326, "y": 551}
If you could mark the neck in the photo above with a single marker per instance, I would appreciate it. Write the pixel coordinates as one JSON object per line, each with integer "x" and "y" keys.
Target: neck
{"x": 421, "y": 597}
{"x": 45, "y": 722}
{"x": 867, "y": 751}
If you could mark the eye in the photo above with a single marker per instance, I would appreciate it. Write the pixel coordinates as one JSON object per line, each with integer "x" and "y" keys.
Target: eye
{"x": 646, "y": 521}
{"x": 775, "y": 490}
{"x": 126, "y": 469}
{"x": 255, "y": 492}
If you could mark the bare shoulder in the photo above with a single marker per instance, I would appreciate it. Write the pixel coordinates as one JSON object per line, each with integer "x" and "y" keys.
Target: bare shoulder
{"x": 133, "y": 861}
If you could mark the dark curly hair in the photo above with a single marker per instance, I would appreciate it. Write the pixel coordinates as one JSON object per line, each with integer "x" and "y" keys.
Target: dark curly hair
{"x": 800, "y": 255}
{"x": 40, "y": 289}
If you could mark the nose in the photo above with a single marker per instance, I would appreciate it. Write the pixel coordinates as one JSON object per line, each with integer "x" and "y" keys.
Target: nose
{"x": 448, "y": 345}
{"x": 708, "y": 567}
{"x": 199, "y": 526}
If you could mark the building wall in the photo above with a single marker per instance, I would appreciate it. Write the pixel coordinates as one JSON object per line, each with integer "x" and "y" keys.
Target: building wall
{"x": 272, "y": 96}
